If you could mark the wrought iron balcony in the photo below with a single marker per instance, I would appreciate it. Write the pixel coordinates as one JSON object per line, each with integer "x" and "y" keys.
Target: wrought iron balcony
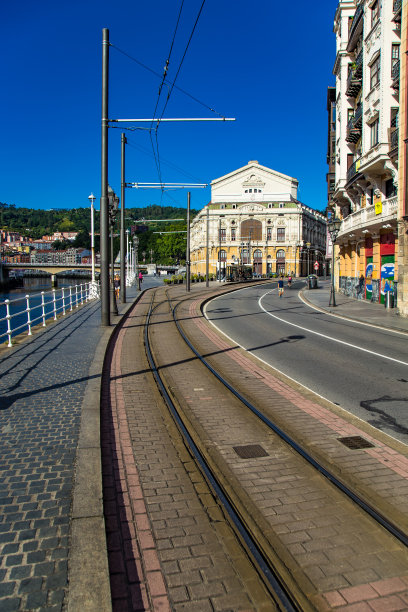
{"x": 395, "y": 75}
{"x": 393, "y": 141}
{"x": 356, "y": 27}
{"x": 397, "y": 9}
{"x": 358, "y": 116}
{"x": 352, "y": 171}
{"x": 354, "y": 84}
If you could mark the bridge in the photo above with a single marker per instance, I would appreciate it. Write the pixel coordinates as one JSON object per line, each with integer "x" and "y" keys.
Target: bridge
{"x": 50, "y": 268}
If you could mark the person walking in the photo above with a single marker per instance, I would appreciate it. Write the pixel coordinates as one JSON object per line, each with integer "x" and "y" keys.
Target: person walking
{"x": 280, "y": 286}
{"x": 140, "y": 280}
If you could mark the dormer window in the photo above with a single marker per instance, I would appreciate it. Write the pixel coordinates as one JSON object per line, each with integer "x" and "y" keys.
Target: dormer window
{"x": 281, "y": 204}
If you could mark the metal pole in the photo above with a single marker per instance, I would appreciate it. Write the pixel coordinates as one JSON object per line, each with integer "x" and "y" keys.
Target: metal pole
{"x": 188, "y": 244}
{"x": 113, "y": 304}
{"x": 219, "y": 252}
{"x": 104, "y": 221}
{"x": 92, "y": 240}
{"x": 207, "y": 255}
{"x": 122, "y": 223}
{"x": 332, "y": 301}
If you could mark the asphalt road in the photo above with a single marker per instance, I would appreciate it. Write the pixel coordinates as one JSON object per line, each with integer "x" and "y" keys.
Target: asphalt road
{"x": 362, "y": 369}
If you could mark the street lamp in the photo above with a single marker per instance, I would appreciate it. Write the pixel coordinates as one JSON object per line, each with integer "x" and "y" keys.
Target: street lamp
{"x": 308, "y": 245}
{"x": 113, "y": 206}
{"x": 334, "y": 228}
{"x": 93, "y": 291}
{"x": 136, "y": 258}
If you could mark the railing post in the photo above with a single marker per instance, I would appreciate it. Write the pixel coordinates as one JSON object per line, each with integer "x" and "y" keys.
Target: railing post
{"x": 76, "y": 296}
{"x": 54, "y": 304}
{"x": 7, "y": 302}
{"x": 63, "y": 301}
{"x": 43, "y": 308}
{"x": 70, "y": 298}
{"x": 80, "y": 292}
{"x": 28, "y": 315}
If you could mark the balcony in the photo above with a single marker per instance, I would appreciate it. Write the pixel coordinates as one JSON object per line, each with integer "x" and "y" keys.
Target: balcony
{"x": 395, "y": 75}
{"x": 397, "y": 9}
{"x": 393, "y": 134}
{"x": 356, "y": 27}
{"x": 354, "y": 125}
{"x": 354, "y": 84}
{"x": 366, "y": 217}
{"x": 353, "y": 170}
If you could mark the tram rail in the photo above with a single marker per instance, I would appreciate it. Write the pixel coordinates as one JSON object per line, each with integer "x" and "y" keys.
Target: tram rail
{"x": 284, "y": 590}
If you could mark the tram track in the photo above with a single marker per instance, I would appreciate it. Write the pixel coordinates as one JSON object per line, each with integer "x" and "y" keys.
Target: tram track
{"x": 277, "y": 569}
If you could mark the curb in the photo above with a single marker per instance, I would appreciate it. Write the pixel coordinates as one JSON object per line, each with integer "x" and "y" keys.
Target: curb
{"x": 88, "y": 571}
{"x": 348, "y": 318}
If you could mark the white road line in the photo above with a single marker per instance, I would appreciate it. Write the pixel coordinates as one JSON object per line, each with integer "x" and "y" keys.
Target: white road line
{"x": 311, "y": 331}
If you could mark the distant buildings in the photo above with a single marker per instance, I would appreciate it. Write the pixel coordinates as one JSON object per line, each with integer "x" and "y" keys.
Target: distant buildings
{"x": 366, "y": 152}
{"x": 255, "y": 219}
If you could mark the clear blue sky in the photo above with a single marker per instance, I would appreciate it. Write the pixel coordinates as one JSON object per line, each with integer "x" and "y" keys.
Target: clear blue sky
{"x": 268, "y": 64}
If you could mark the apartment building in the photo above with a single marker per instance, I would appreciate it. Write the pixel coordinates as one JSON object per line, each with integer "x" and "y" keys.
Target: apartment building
{"x": 255, "y": 219}
{"x": 367, "y": 69}
{"x": 402, "y": 15}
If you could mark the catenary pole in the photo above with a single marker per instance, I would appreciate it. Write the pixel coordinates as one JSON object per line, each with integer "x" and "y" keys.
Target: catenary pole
{"x": 104, "y": 229}
{"x": 122, "y": 222}
{"x": 188, "y": 244}
{"x": 207, "y": 244}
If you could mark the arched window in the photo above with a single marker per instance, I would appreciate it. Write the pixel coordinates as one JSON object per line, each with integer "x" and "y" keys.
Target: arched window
{"x": 280, "y": 255}
{"x": 223, "y": 255}
{"x": 258, "y": 255}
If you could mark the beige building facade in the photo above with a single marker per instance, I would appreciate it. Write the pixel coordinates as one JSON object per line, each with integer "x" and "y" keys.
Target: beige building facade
{"x": 365, "y": 197}
{"x": 254, "y": 219}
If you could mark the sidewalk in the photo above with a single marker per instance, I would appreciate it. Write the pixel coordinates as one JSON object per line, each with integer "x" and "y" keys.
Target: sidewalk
{"x": 50, "y": 491}
{"x": 350, "y": 308}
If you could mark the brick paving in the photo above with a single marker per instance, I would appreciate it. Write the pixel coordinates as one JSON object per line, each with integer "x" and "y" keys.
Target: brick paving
{"x": 168, "y": 545}
{"x": 342, "y": 555}
{"x": 42, "y": 386}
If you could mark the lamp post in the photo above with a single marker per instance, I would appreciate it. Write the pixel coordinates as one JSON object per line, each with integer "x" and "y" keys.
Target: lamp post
{"x": 334, "y": 228}
{"x": 136, "y": 259}
{"x": 308, "y": 245}
{"x": 93, "y": 291}
{"x": 113, "y": 205}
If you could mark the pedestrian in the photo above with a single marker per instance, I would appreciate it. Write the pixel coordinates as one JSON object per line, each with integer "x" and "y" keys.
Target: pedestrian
{"x": 280, "y": 286}
{"x": 289, "y": 281}
{"x": 140, "y": 280}
{"x": 116, "y": 284}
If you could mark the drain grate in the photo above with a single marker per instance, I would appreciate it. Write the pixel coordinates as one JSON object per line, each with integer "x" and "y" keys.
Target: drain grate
{"x": 250, "y": 451}
{"x": 355, "y": 442}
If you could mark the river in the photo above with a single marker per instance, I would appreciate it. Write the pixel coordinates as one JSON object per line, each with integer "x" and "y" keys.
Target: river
{"x": 33, "y": 286}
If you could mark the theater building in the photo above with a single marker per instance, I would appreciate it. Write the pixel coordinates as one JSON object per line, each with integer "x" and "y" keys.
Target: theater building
{"x": 254, "y": 218}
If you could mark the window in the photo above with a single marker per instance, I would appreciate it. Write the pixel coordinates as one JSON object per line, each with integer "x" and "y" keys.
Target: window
{"x": 222, "y": 206}
{"x": 375, "y": 13}
{"x": 269, "y": 233}
{"x": 375, "y": 72}
{"x": 223, "y": 255}
{"x": 223, "y": 234}
{"x": 280, "y": 234}
{"x": 374, "y": 132}
{"x": 280, "y": 255}
{"x": 390, "y": 189}
{"x": 233, "y": 233}
{"x": 281, "y": 205}
{"x": 395, "y": 54}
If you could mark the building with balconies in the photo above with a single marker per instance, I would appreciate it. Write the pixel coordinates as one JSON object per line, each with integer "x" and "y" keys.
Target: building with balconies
{"x": 255, "y": 219}
{"x": 368, "y": 37}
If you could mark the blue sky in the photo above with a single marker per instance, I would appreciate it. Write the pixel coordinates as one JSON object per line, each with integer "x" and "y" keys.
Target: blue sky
{"x": 268, "y": 64}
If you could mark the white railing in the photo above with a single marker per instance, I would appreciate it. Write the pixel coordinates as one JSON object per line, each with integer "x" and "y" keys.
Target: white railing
{"x": 23, "y": 313}
{"x": 367, "y": 216}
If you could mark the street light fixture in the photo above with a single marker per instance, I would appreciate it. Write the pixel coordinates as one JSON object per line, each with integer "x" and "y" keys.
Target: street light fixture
{"x": 113, "y": 206}
{"x": 334, "y": 228}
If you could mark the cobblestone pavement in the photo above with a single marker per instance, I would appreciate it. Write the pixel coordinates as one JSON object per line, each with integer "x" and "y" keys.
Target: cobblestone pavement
{"x": 42, "y": 386}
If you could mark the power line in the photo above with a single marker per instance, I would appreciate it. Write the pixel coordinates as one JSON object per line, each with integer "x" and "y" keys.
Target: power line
{"x": 170, "y": 83}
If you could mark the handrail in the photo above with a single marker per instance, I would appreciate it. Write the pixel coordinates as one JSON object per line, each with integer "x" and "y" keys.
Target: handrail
{"x": 38, "y": 307}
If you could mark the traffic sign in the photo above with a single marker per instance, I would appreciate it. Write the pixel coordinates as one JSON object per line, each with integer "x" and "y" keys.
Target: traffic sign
{"x": 316, "y": 265}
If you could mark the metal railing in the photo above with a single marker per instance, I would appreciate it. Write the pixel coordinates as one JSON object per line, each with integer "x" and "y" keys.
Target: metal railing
{"x": 24, "y": 313}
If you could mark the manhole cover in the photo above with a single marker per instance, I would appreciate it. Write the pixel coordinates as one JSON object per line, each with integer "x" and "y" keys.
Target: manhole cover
{"x": 250, "y": 451}
{"x": 355, "y": 442}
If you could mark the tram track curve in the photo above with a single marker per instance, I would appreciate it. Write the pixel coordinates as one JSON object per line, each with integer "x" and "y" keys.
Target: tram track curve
{"x": 258, "y": 548}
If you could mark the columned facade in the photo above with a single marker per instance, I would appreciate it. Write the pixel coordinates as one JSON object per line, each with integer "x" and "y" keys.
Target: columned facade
{"x": 255, "y": 219}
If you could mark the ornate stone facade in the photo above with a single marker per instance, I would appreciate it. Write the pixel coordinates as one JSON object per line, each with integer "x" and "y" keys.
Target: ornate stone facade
{"x": 255, "y": 219}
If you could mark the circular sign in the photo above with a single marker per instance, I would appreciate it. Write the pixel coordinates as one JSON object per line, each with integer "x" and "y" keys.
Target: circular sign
{"x": 316, "y": 266}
